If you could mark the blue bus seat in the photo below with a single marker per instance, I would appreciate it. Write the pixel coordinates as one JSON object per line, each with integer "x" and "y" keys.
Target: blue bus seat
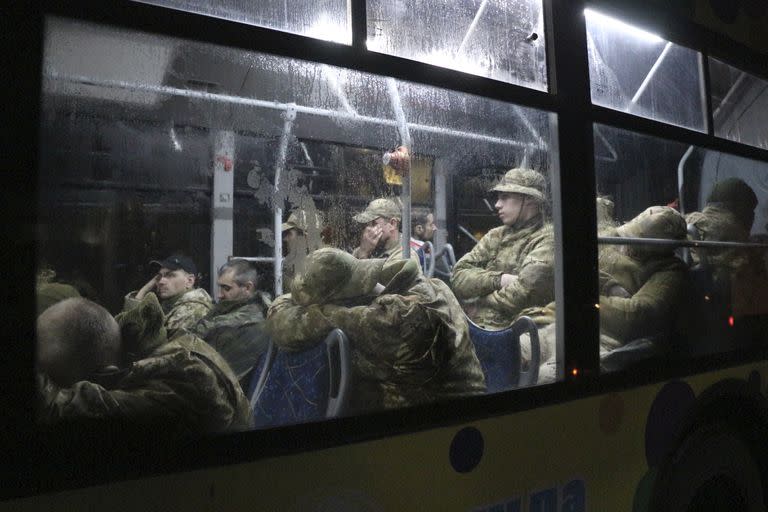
{"x": 500, "y": 356}
{"x": 304, "y": 386}
{"x": 641, "y": 349}
{"x": 258, "y": 375}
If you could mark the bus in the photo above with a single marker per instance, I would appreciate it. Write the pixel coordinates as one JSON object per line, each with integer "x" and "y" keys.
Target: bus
{"x": 149, "y": 128}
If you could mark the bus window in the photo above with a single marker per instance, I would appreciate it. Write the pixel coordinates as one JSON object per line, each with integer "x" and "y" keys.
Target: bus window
{"x": 640, "y": 73}
{"x": 501, "y": 40}
{"x": 740, "y": 104}
{"x": 679, "y": 294}
{"x": 191, "y": 187}
{"x": 326, "y": 20}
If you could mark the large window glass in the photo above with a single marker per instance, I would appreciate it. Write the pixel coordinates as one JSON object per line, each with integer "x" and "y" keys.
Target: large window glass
{"x": 699, "y": 284}
{"x": 740, "y": 104}
{"x": 636, "y": 71}
{"x": 186, "y": 188}
{"x": 322, "y": 19}
{"x": 503, "y": 39}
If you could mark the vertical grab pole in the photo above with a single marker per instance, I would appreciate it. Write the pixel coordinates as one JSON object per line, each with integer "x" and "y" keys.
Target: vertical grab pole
{"x": 405, "y": 138}
{"x": 289, "y": 116}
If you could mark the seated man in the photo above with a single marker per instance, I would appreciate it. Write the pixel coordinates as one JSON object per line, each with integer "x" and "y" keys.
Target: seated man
{"x": 302, "y": 234}
{"x": 423, "y": 227}
{"x": 174, "y": 284}
{"x": 92, "y": 366}
{"x": 381, "y": 232}
{"x": 409, "y": 341}
{"x": 234, "y": 327}
{"x": 510, "y": 271}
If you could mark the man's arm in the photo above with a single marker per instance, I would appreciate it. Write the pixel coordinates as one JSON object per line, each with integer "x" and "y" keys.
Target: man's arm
{"x": 294, "y": 327}
{"x": 470, "y": 279}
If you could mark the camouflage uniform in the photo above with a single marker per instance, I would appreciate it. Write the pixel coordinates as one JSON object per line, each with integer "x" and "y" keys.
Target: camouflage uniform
{"x": 410, "y": 344}
{"x": 309, "y": 223}
{"x": 181, "y": 383}
{"x": 181, "y": 311}
{"x": 525, "y": 250}
{"x": 235, "y": 329}
{"x": 653, "y": 277}
{"x": 391, "y": 251}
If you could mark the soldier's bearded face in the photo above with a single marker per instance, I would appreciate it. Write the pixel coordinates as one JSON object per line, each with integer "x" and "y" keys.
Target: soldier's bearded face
{"x": 173, "y": 282}
{"x": 230, "y": 290}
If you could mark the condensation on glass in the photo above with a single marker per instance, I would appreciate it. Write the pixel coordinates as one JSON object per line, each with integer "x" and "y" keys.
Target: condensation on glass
{"x": 638, "y": 72}
{"x": 503, "y": 40}
{"x": 152, "y": 146}
{"x": 328, "y": 20}
{"x": 668, "y": 298}
{"x": 740, "y": 104}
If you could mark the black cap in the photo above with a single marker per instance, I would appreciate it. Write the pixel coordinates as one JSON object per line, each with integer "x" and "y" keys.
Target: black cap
{"x": 176, "y": 262}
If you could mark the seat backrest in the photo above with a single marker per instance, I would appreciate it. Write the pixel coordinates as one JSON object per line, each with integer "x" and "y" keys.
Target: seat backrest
{"x": 500, "y": 355}
{"x": 304, "y": 386}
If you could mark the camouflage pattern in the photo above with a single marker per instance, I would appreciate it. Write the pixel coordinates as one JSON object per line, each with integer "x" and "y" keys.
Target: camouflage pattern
{"x": 392, "y": 251}
{"x": 182, "y": 384}
{"x": 717, "y": 223}
{"x": 410, "y": 344}
{"x": 235, "y": 328}
{"x": 528, "y": 253}
{"x": 181, "y": 311}
{"x": 523, "y": 181}
{"x": 49, "y": 294}
{"x": 388, "y": 208}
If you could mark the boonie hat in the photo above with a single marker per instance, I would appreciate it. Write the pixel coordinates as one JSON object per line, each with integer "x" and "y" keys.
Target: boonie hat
{"x": 523, "y": 181}
{"x": 332, "y": 274}
{"x": 656, "y": 222}
{"x": 381, "y": 207}
{"x": 176, "y": 262}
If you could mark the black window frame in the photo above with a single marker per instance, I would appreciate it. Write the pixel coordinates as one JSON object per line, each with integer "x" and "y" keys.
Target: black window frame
{"x": 41, "y": 460}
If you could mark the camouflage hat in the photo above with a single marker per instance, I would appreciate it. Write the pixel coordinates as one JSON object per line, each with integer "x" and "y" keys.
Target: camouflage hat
{"x": 381, "y": 207}
{"x": 656, "y": 222}
{"x": 523, "y": 181}
{"x": 332, "y": 274}
{"x": 301, "y": 220}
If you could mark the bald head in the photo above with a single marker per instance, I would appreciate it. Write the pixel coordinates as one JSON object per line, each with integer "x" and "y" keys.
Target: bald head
{"x": 75, "y": 338}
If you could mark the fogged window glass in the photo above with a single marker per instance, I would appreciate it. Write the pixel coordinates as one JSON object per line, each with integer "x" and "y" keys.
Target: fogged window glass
{"x": 638, "y": 72}
{"x": 699, "y": 285}
{"x": 186, "y": 188}
{"x": 503, "y": 40}
{"x": 740, "y": 104}
{"x": 322, "y": 19}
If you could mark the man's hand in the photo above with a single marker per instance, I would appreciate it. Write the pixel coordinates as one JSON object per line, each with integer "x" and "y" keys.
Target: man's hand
{"x": 150, "y": 286}
{"x": 506, "y": 280}
{"x": 369, "y": 240}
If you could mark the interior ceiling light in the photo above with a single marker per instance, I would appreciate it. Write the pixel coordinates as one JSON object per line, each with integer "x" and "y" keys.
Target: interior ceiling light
{"x": 613, "y": 23}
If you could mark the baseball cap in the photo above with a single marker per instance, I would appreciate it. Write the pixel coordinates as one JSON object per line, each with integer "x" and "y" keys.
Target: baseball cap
{"x": 176, "y": 262}
{"x": 381, "y": 207}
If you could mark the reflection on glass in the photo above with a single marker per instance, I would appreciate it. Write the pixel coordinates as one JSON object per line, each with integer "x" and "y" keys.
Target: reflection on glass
{"x": 739, "y": 103}
{"x": 503, "y": 40}
{"x": 164, "y": 163}
{"x": 638, "y": 72}
{"x": 323, "y": 19}
{"x": 666, "y": 298}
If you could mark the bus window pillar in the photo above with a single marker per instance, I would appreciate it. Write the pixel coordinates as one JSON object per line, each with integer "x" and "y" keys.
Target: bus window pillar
{"x": 222, "y": 205}
{"x": 289, "y": 116}
{"x": 440, "y": 170}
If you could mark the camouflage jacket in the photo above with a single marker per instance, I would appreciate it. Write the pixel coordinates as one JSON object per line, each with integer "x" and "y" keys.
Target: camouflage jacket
{"x": 181, "y": 383}
{"x": 235, "y": 328}
{"x": 717, "y": 223}
{"x": 527, "y": 253}
{"x": 181, "y": 311}
{"x": 656, "y": 286}
{"x": 392, "y": 252}
{"x": 410, "y": 344}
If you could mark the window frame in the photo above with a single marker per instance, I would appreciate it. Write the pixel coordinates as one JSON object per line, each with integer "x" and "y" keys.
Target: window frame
{"x": 42, "y": 454}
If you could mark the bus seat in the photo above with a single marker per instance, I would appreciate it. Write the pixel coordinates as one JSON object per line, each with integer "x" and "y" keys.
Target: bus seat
{"x": 633, "y": 352}
{"x": 305, "y": 386}
{"x": 447, "y": 259}
{"x": 258, "y": 374}
{"x": 708, "y": 312}
{"x": 500, "y": 356}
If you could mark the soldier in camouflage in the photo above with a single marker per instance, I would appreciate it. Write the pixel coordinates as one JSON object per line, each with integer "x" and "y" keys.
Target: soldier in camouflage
{"x": 510, "y": 272}
{"x": 302, "y": 234}
{"x": 128, "y": 370}
{"x": 381, "y": 231}
{"x": 234, "y": 327}
{"x": 174, "y": 285}
{"x": 409, "y": 341}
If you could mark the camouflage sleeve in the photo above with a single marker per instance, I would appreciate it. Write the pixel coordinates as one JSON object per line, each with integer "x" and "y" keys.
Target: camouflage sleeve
{"x": 186, "y": 315}
{"x": 294, "y": 327}
{"x": 650, "y": 310}
{"x": 470, "y": 279}
{"x": 130, "y": 301}
{"x": 535, "y": 284}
